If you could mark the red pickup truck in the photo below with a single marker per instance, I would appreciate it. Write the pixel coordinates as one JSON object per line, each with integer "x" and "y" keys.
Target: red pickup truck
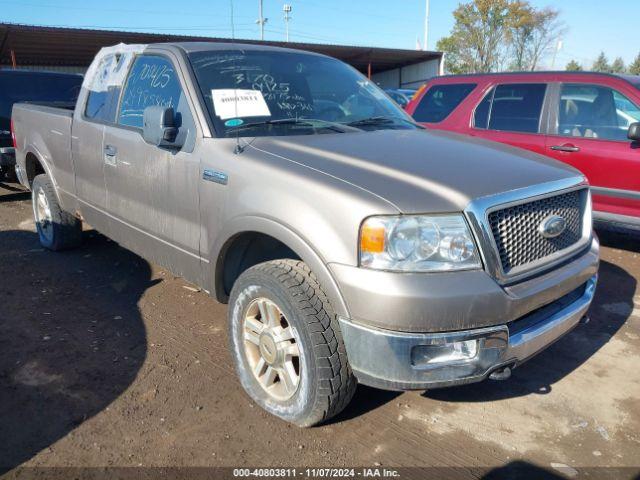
{"x": 588, "y": 120}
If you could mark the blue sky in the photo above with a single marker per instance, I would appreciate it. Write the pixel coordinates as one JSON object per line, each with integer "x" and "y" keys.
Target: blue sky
{"x": 593, "y": 25}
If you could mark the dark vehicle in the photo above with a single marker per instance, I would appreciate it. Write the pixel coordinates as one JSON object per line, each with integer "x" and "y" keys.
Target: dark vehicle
{"x": 48, "y": 88}
{"x": 402, "y": 96}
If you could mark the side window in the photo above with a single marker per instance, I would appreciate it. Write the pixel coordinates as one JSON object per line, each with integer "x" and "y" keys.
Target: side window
{"x": 481, "y": 115}
{"x": 512, "y": 108}
{"x": 102, "y": 99}
{"x": 152, "y": 81}
{"x": 440, "y": 100}
{"x": 592, "y": 111}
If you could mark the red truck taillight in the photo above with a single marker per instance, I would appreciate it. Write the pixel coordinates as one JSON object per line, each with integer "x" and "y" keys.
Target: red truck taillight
{"x": 13, "y": 135}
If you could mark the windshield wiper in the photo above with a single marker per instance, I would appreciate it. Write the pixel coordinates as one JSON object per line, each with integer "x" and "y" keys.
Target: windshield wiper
{"x": 309, "y": 122}
{"x": 380, "y": 120}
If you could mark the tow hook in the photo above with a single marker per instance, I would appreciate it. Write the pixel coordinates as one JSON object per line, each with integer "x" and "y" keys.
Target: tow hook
{"x": 501, "y": 373}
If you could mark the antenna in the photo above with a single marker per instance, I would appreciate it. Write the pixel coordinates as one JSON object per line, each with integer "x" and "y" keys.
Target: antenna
{"x": 238, "y": 148}
{"x": 287, "y": 10}
{"x": 233, "y": 27}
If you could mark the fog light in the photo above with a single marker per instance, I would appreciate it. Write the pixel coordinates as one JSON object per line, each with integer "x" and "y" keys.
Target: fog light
{"x": 447, "y": 352}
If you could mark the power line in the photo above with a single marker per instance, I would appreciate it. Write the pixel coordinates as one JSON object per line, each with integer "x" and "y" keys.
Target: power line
{"x": 115, "y": 10}
{"x": 357, "y": 13}
{"x": 132, "y": 29}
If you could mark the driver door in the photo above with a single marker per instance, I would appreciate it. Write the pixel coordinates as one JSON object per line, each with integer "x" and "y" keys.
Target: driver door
{"x": 591, "y": 135}
{"x": 151, "y": 191}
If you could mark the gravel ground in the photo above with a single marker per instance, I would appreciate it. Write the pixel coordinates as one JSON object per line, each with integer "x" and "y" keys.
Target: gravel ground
{"x": 109, "y": 361}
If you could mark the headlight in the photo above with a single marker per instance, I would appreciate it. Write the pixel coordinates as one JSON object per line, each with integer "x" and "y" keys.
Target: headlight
{"x": 418, "y": 243}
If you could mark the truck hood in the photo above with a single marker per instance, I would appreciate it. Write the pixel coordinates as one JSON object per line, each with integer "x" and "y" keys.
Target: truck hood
{"x": 419, "y": 171}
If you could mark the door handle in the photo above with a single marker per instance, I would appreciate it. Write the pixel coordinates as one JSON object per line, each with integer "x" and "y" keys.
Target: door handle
{"x": 110, "y": 153}
{"x": 110, "y": 150}
{"x": 565, "y": 148}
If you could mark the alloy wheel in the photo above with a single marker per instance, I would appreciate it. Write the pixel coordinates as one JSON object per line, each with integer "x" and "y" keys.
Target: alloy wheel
{"x": 272, "y": 349}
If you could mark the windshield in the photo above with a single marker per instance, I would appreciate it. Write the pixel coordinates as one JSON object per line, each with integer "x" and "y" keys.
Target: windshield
{"x": 264, "y": 93}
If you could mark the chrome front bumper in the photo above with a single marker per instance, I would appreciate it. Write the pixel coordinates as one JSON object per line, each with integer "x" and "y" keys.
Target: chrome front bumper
{"x": 385, "y": 359}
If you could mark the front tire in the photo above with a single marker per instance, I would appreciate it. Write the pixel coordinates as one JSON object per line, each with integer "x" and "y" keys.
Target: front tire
{"x": 287, "y": 345}
{"x": 57, "y": 229}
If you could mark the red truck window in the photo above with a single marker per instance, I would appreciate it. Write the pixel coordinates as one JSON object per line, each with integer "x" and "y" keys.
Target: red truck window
{"x": 440, "y": 101}
{"x": 512, "y": 108}
{"x": 592, "y": 111}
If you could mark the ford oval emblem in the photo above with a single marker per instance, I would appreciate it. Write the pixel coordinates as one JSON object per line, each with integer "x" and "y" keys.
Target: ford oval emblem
{"x": 552, "y": 226}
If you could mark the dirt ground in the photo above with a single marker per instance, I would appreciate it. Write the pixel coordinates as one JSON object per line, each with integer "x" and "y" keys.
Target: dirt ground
{"x": 108, "y": 361}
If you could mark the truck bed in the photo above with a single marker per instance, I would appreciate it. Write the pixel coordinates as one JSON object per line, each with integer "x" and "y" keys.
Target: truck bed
{"x": 47, "y": 130}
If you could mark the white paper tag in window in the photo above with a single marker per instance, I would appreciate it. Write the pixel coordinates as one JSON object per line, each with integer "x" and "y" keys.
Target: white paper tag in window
{"x": 236, "y": 103}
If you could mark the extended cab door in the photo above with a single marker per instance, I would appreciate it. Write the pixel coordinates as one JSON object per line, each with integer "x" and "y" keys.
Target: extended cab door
{"x": 152, "y": 192}
{"x": 96, "y": 107}
{"x": 513, "y": 113}
{"x": 589, "y": 130}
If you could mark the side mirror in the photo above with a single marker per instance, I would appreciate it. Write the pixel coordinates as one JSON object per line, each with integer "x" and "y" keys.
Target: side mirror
{"x": 634, "y": 132}
{"x": 159, "y": 127}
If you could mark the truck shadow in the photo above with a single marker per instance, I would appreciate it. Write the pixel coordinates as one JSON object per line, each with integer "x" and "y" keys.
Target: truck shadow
{"x": 612, "y": 306}
{"x": 71, "y": 336}
{"x": 627, "y": 240}
{"x": 10, "y": 192}
{"x": 366, "y": 399}
{"x": 523, "y": 470}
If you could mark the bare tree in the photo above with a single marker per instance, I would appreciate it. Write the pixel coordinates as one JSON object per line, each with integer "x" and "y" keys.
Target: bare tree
{"x": 490, "y": 35}
{"x": 520, "y": 33}
{"x": 547, "y": 30}
{"x": 476, "y": 43}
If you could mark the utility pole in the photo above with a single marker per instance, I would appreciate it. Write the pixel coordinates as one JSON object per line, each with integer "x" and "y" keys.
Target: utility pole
{"x": 261, "y": 21}
{"x": 426, "y": 26}
{"x": 287, "y": 10}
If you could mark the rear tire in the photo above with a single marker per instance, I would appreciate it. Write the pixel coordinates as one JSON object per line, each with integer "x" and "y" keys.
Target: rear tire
{"x": 295, "y": 366}
{"x": 57, "y": 229}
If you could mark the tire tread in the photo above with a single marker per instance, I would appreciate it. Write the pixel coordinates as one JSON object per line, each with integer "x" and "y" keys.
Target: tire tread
{"x": 67, "y": 227}
{"x": 336, "y": 382}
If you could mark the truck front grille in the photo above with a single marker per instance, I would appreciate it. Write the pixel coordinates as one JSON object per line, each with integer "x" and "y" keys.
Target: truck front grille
{"x": 516, "y": 229}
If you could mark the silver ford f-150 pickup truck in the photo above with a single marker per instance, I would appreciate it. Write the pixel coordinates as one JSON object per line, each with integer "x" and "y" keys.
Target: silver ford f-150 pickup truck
{"x": 351, "y": 244}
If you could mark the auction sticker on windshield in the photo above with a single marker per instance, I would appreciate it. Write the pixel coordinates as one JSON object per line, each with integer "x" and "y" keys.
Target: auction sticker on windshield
{"x": 234, "y": 103}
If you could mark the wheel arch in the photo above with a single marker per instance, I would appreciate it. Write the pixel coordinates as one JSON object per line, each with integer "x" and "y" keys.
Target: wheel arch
{"x": 33, "y": 166}
{"x": 240, "y": 228}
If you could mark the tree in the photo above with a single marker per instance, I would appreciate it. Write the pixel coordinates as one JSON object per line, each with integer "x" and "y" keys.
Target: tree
{"x": 546, "y": 35}
{"x": 453, "y": 61}
{"x": 601, "y": 64}
{"x": 533, "y": 34}
{"x": 476, "y": 43}
{"x": 489, "y": 35}
{"x": 520, "y": 33}
{"x": 573, "y": 66}
{"x": 634, "y": 68}
{"x": 618, "y": 66}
